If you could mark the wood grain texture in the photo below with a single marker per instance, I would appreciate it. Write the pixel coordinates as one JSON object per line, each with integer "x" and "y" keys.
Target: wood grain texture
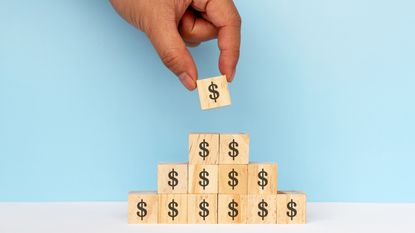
{"x": 197, "y": 204}
{"x": 203, "y": 148}
{"x": 262, "y": 178}
{"x": 203, "y": 179}
{"x": 168, "y": 208}
{"x": 148, "y": 212}
{"x": 231, "y": 145}
{"x": 298, "y": 202}
{"x": 221, "y": 88}
{"x": 164, "y": 181}
{"x": 262, "y": 209}
{"x": 232, "y": 208}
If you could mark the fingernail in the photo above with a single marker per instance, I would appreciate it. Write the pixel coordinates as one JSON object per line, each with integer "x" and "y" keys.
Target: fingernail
{"x": 232, "y": 75}
{"x": 187, "y": 81}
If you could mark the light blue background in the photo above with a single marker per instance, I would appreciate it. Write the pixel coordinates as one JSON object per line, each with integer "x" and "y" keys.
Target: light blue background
{"x": 325, "y": 88}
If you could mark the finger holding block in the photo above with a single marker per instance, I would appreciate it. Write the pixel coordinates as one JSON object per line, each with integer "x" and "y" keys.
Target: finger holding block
{"x": 232, "y": 208}
{"x": 234, "y": 148}
{"x": 172, "y": 208}
{"x": 203, "y": 148}
{"x": 262, "y": 178}
{"x": 262, "y": 209}
{"x": 203, "y": 178}
{"x": 213, "y": 92}
{"x": 291, "y": 207}
{"x": 172, "y": 178}
{"x": 202, "y": 208}
{"x": 142, "y": 207}
{"x": 233, "y": 179}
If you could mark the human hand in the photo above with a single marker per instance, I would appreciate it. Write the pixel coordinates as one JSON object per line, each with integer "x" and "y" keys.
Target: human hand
{"x": 173, "y": 24}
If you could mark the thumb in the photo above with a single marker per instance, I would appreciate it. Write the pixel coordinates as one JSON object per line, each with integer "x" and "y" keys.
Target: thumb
{"x": 173, "y": 52}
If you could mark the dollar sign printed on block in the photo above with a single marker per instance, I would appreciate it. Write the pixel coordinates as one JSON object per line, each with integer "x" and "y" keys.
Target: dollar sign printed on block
{"x": 173, "y": 209}
{"x": 173, "y": 180}
{"x": 204, "y": 152}
{"x": 263, "y": 211}
{"x": 292, "y": 210}
{"x": 233, "y": 149}
{"x": 142, "y": 211}
{"x": 204, "y": 181}
{"x": 262, "y": 176}
{"x": 213, "y": 90}
{"x": 233, "y": 180}
{"x": 233, "y": 211}
{"x": 204, "y": 211}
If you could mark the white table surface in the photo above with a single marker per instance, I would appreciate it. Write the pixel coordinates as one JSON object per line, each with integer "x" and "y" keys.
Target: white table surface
{"x": 102, "y": 217}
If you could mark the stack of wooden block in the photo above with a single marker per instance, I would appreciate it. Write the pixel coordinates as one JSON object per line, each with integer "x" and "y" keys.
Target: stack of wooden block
{"x": 218, "y": 185}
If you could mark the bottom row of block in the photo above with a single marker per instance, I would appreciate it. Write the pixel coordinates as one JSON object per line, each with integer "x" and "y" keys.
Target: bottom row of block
{"x": 286, "y": 207}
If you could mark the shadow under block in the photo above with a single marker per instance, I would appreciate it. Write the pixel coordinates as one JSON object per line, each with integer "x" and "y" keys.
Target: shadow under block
{"x": 262, "y": 209}
{"x": 202, "y": 208}
{"x": 234, "y": 148}
{"x": 213, "y": 92}
{"x": 203, "y": 178}
{"x": 291, "y": 207}
{"x": 142, "y": 207}
{"x": 232, "y": 208}
{"x": 233, "y": 179}
{"x": 262, "y": 178}
{"x": 172, "y": 208}
{"x": 172, "y": 178}
{"x": 203, "y": 148}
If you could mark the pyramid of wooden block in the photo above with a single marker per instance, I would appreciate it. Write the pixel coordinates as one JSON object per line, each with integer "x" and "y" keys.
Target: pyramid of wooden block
{"x": 218, "y": 185}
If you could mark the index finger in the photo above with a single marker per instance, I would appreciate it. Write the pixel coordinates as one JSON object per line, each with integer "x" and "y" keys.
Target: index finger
{"x": 224, "y": 15}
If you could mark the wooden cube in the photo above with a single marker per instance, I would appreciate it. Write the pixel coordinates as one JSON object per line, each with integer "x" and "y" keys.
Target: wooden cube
{"x": 234, "y": 148}
{"x": 291, "y": 207}
{"x": 142, "y": 207}
{"x": 233, "y": 179}
{"x": 203, "y": 178}
{"x": 203, "y": 148}
{"x": 262, "y": 178}
{"x": 172, "y": 178}
{"x": 172, "y": 208}
{"x": 213, "y": 92}
{"x": 262, "y": 209}
{"x": 202, "y": 208}
{"x": 232, "y": 208}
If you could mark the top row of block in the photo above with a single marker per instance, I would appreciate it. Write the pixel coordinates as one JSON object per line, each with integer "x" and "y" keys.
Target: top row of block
{"x": 215, "y": 148}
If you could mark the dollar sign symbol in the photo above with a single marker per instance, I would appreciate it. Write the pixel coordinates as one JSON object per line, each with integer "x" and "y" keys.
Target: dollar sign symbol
{"x": 203, "y": 146}
{"x": 234, "y": 181}
{"x": 174, "y": 212}
{"x": 204, "y": 212}
{"x": 204, "y": 181}
{"x": 173, "y": 180}
{"x": 263, "y": 181}
{"x": 293, "y": 212}
{"x": 233, "y": 211}
{"x": 234, "y": 152}
{"x": 142, "y": 210}
{"x": 263, "y": 211}
{"x": 212, "y": 89}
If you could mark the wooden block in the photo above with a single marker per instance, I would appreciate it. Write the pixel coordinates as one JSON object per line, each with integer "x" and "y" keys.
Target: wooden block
{"x": 234, "y": 148}
{"x": 142, "y": 207}
{"x": 262, "y": 209}
{"x": 213, "y": 92}
{"x": 233, "y": 179}
{"x": 232, "y": 208}
{"x": 202, "y": 208}
{"x": 262, "y": 178}
{"x": 172, "y": 178}
{"x": 172, "y": 208}
{"x": 203, "y": 178}
{"x": 203, "y": 148}
{"x": 291, "y": 207}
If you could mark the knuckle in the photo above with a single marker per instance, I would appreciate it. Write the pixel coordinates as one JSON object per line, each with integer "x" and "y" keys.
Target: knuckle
{"x": 170, "y": 57}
